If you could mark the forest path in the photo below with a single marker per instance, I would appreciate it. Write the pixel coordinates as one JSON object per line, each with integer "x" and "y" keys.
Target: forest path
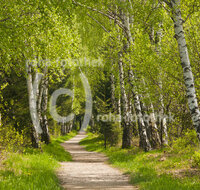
{"x": 88, "y": 170}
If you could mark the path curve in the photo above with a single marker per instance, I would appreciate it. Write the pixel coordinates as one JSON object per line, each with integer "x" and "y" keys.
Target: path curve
{"x": 88, "y": 170}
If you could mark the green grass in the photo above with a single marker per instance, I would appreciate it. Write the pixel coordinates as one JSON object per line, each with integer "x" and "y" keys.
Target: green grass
{"x": 34, "y": 170}
{"x": 149, "y": 171}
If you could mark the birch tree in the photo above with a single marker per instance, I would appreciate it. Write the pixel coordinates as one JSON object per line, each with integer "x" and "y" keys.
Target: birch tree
{"x": 175, "y": 7}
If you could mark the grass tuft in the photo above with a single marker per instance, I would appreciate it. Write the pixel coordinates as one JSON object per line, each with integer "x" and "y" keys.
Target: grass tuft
{"x": 35, "y": 170}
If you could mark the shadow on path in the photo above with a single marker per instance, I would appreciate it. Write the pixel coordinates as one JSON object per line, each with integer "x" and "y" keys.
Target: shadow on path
{"x": 89, "y": 170}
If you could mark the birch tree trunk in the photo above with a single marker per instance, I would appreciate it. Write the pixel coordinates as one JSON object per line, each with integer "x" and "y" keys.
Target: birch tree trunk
{"x": 144, "y": 141}
{"x": 145, "y": 118}
{"x": 185, "y": 62}
{"x": 40, "y": 97}
{"x": 119, "y": 110}
{"x": 45, "y": 128}
{"x": 113, "y": 99}
{"x": 125, "y": 119}
{"x": 154, "y": 132}
{"x": 163, "y": 121}
{"x": 72, "y": 122}
{"x": 33, "y": 106}
{"x": 40, "y": 101}
{"x": 119, "y": 106}
{"x": 155, "y": 137}
{"x": 63, "y": 131}
{"x": 127, "y": 130}
{"x": 112, "y": 79}
{"x": 155, "y": 40}
{"x": 150, "y": 121}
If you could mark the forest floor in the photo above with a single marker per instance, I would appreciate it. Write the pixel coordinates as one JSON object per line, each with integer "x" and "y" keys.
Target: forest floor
{"x": 89, "y": 170}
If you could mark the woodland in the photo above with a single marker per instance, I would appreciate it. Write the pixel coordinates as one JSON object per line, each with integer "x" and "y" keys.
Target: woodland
{"x": 142, "y": 63}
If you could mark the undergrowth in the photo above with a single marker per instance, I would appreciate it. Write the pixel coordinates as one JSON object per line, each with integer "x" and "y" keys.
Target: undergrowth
{"x": 34, "y": 169}
{"x": 166, "y": 169}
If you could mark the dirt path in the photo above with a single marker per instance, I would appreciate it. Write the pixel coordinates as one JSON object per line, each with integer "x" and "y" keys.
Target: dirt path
{"x": 89, "y": 170}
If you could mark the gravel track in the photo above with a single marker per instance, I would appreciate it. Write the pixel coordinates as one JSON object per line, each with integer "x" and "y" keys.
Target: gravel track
{"x": 89, "y": 170}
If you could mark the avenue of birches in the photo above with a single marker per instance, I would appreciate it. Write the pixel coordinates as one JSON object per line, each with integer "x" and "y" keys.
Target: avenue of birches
{"x": 141, "y": 59}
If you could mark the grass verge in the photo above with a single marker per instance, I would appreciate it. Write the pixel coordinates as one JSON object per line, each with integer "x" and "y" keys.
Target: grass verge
{"x": 35, "y": 170}
{"x": 155, "y": 170}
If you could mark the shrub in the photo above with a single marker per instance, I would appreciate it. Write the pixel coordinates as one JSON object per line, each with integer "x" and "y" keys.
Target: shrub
{"x": 115, "y": 134}
{"x": 11, "y": 139}
{"x": 196, "y": 159}
{"x": 186, "y": 144}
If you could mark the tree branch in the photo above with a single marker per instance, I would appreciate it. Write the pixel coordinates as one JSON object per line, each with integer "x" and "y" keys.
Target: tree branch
{"x": 99, "y": 23}
{"x": 93, "y": 9}
{"x": 100, "y": 12}
{"x": 168, "y": 3}
{"x": 189, "y": 14}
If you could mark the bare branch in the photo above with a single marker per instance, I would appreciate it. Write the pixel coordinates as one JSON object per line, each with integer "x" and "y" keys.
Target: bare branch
{"x": 93, "y": 9}
{"x": 188, "y": 16}
{"x": 99, "y": 23}
{"x": 131, "y": 4}
{"x": 102, "y": 13}
{"x": 114, "y": 14}
{"x": 148, "y": 16}
{"x": 168, "y": 3}
{"x": 161, "y": 2}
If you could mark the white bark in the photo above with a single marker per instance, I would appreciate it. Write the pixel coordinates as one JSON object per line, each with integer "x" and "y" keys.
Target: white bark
{"x": 32, "y": 90}
{"x": 113, "y": 99}
{"x": 185, "y": 62}
{"x": 40, "y": 101}
{"x": 73, "y": 98}
{"x": 127, "y": 132}
{"x": 163, "y": 120}
{"x": 155, "y": 130}
{"x": 155, "y": 40}
{"x": 119, "y": 110}
{"x": 152, "y": 119}
{"x": 45, "y": 127}
{"x": 122, "y": 86}
{"x": 144, "y": 141}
